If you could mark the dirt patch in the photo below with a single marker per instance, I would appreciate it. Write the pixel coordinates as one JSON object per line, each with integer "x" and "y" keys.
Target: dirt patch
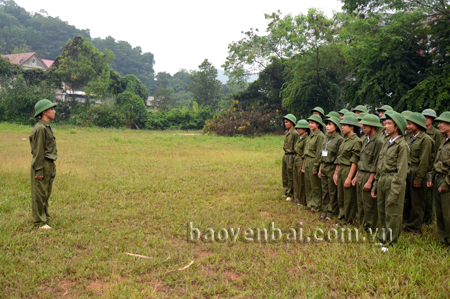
{"x": 232, "y": 276}
{"x": 265, "y": 215}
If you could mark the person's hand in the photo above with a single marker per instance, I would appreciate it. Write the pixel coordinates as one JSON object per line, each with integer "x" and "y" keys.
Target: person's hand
{"x": 374, "y": 195}
{"x": 303, "y": 171}
{"x": 430, "y": 184}
{"x": 39, "y": 177}
{"x": 354, "y": 181}
{"x": 335, "y": 178}
{"x": 347, "y": 183}
{"x": 367, "y": 186}
{"x": 314, "y": 172}
{"x": 441, "y": 190}
{"x": 319, "y": 174}
{"x": 416, "y": 185}
{"x": 390, "y": 203}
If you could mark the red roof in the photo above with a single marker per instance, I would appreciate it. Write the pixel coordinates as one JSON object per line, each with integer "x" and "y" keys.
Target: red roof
{"x": 47, "y": 62}
{"x": 23, "y": 57}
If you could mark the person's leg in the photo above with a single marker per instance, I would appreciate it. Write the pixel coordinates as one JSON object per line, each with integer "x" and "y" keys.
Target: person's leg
{"x": 308, "y": 174}
{"x": 290, "y": 176}
{"x": 340, "y": 194}
{"x": 408, "y": 204}
{"x": 296, "y": 179}
{"x": 359, "y": 195}
{"x": 381, "y": 203}
{"x": 417, "y": 211}
{"x": 442, "y": 201}
{"x": 333, "y": 208}
{"x": 394, "y": 215}
{"x": 39, "y": 196}
{"x": 302, "y": 191}
{"x": 316, "y": 193}
{"x": 325, "y": 190}
{"x": 284, "y": 175}
{"x": 429, "y": 215}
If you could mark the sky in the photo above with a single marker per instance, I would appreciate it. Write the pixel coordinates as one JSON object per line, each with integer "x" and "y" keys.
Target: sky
{"x": 180, "y": 34}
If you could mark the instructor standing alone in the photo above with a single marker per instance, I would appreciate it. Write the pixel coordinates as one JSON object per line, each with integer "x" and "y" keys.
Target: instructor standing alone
{"x": 43, "y": 171}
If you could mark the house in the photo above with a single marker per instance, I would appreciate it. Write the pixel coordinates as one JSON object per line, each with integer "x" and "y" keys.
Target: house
{"x": 29, "y": 61}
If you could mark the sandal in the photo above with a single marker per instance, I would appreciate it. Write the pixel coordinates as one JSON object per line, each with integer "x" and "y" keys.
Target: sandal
{"x": 322, "y": 217}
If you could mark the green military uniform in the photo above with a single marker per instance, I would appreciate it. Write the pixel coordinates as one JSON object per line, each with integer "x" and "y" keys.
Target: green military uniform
{"x": 43, "y": 149}
{"x": 421, "y": 148}
{"x": 290, "y": 139}
{"x": 349, "y": 153}
{"x": 330, "y": 149}
{"x": 390, "y": 183}
{"x": 440, "y": 176}
{"x": 430, "y": 209}
{"x": 313, "y": 151}
{"x": 299, "y": 177}
{"x": 367, "y": 205}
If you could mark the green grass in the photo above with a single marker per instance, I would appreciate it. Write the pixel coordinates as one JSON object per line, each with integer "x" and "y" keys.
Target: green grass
{"x": 121, "y": 191}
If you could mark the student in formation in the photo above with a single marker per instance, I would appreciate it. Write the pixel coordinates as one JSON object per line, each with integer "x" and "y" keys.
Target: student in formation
{"x": 43, "y": 170}
{"x": 342, "y": 112}
{"x": 430, "y": 116}
{"x": 439, "y": 180}
{"x": 407, "y": 135}
{"x": 313, "y": 152}
{"x": 381, "y": 112}
{"x": 302, "y": 128}
{"x": 421, "y": 147}
{"x": 390, "y": 181}
{"x": 384, "y": 132}
{"x": 290, "y": 139}
{"x": 362, "y": 135}
{"x": 360, "y": 109}
{"x": 330, "y": 148}
{"x": 367, "y": 168}
{"x": 346, "y": 166}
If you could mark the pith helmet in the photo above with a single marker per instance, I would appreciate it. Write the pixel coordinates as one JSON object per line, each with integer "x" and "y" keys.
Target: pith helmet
{"x": 360, "y": 108}
{"x": 429, "y": 112}
{"x": 406, "y": 113}
{"x": 418, "y": 119}
{"x": 399, "y": 120}
{"x": 445, "y": 116}
{"x": 332, "y": 114}
{"x": 371, "y": 120}
{"x": 336, "y": 121}
{"x": 350, "y": 113}
{"x": 385, "y": 108}
{"x": 318, "y": 109}
{"x": 343, "y": 111}
{"x": 316, "y": 119}
{"x": 302, "y": 124}
{"x": 384, "y": 115}
{"x": 361, "y": 115}
{"x": 291, "y": 118}
{"x": 350, "y": 120}
{"x": 42, "y": 105}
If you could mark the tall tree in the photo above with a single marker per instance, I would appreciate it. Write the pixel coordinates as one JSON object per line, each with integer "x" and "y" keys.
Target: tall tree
{"x": 205, "y": 86}
{"x": 163, "y": 99}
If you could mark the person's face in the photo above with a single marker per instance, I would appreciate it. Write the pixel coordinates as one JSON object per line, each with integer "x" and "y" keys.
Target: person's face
{"x": 412, "y": 127}
{"x": 384, "y": 124}
{"x": 50, "y": 113}
{"x": 428, "y": 121}
{"x": 313, "y": 125}
{"x": 317, "y": 113}
{"x": 288, "y": 124}
{"x": 341, "y": 115}
{"x": 381, "y": 113}
{"x": 357, "y": 112}
{"x": 301, "y": 131}
{"x": 366, "y": 129}
{"x": 444, "y": 127}
{"x": 391, "y": 127}
{"x": 346, "y": 129}
{"x": 331, "y": 127}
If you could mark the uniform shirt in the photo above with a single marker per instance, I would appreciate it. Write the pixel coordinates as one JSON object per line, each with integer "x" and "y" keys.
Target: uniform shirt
{"x": 43, "y": 146}
{"x": 369, "y": 153}
{"x": 421, "y": 148}
{"x": 349, "y": 151}
{"x": 313, "y": 148}
{"x": 330, "y": 148}
{"x": 363, "y": 136}
{"x": 408, "y": 136}
{"x": 393, "y": 159}
{"x": 290, "y": 139}
{"x": 442, "y": 165}
{"x": 299, "y": 147}
{"x": 437, "y": 137}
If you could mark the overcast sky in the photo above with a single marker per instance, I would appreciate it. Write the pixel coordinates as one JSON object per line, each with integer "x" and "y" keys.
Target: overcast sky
{"x": 181, "y": 34}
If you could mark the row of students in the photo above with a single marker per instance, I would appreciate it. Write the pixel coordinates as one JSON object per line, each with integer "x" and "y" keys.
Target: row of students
{"x": 362, "y": 167}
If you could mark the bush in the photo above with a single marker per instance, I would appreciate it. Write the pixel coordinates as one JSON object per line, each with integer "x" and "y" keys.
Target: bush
{"x": 237, "y": 121}
{"x": 180, "y": 119}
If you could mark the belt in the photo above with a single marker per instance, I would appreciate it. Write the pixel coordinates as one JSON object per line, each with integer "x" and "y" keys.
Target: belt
{"x": 387, "y": 173}
{"x": 286, "y": 153}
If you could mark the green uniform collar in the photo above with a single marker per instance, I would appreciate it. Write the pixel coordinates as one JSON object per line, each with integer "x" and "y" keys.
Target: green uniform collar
{"x": 44, "y": 122}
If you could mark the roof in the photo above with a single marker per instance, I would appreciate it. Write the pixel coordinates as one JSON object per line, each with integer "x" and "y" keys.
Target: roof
{"x": 47, "y": 62}
{"x": 21, "y": 58}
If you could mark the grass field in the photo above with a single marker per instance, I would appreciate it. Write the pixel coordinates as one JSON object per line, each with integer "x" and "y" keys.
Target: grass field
{"x": 121, "y": 192}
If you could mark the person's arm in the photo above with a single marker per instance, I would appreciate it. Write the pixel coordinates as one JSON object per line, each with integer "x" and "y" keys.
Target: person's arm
{"x": 335, "y": 176}
{"x": 348, "y": 181}
{"x": 355, "y": 178}
{"x": 400, "y": 177}
{"x": 39, "y": 139}
{"x": 424, "y": 161}
{"x": 319, "y": 141}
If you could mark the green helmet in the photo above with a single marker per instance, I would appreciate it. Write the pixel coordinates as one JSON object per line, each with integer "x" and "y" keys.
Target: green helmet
{"x": 332, "y": 114}
{"x": 384, "y": 115}
{"x": 350, "y": 120}
{"x": 318, "y": 109}
{"x": 418, "y": 119}
{"x": 399, "y": 120}
{"x": 360, "y": 108}
{"x": 343, "y": 111}
{"x": 334, "y": 120}
{"x": 291, "y": 118}
{"x": 445, "y": 116}
{"x": 361, "y": 115}
{"x": 42, "y": 105}
{"x": 350, "y": 113}
{"x": 302, "y": 124}
{"x": 385, "y": 108}
{"x": 429, "y": 112}
{"x": 316, "y": 119}
{"x": 406, "y": 113}
{"x": 371, "y": 120}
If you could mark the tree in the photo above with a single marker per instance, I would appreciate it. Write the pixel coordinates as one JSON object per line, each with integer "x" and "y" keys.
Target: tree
{"x": 162, "y": 100}
{"x": 205, "y": 86}
{"x": 82, "y": 66}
